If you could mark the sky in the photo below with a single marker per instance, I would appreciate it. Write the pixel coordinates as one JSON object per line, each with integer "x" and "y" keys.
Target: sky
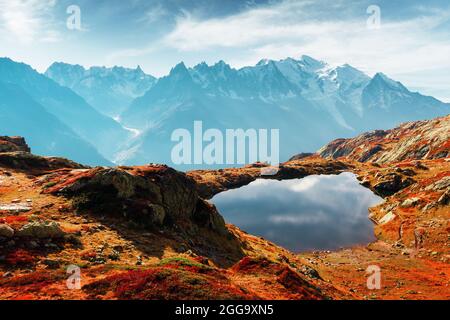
{"x": 409, "y": 40}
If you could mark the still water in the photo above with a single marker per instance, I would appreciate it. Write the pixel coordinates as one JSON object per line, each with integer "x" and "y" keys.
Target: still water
{"x": 314, "y": 213}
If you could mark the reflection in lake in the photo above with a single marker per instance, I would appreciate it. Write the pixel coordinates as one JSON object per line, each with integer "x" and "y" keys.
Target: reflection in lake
{"x": 314, "y": 213}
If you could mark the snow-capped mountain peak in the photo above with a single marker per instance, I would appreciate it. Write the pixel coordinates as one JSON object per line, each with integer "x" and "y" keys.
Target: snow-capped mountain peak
{"x": 383, "y": 79}
{"x": 311, "y": 64}
{"x": 109, "y": 90}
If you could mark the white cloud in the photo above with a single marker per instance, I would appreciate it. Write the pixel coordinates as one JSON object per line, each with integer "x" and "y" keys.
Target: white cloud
{"x": 300, "y": 219}
{"x": 304, "y": 184}
{"x": 116, "y": 56}
{"x": 27, "y": 20}
{"x": 155, "y": 13}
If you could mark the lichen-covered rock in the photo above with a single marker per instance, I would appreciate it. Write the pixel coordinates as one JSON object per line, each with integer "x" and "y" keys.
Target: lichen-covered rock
{"x": 41, "y": 230}
{"x": 139, "y": 191}
{"x": 441, "y": 184}
{"x": 411, "y": 202}
{"x": 212, "y": 182}
{"x": 301, "y": 156}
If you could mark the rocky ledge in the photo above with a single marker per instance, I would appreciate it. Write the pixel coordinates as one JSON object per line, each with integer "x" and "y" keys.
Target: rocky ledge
{"x": 15, "y": 154}
{"x": 12, "y": 144}
{"x": 153, "y": 195}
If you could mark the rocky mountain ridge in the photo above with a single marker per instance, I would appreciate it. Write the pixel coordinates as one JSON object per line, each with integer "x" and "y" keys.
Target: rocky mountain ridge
{"x": 109, "y": 90}
{"x": 302, "y": 97}
{"x": 411, "y": 141}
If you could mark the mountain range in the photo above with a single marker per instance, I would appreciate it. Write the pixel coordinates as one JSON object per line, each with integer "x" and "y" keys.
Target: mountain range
{"x": 109, "y": 90}
{"x": 310, "y": 102}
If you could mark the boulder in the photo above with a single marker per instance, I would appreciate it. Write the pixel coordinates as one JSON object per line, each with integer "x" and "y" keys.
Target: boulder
{"x": 411, "y": 202}
{"x": 444, "y": 200}
{"x": 41, "y": 230}
{"x": 16, "y": 207}
{"x": 147, "y": 194}
{"x": 441, "y": 184}
{"x": 6, "y": 231}
{"x": 388, "y": 217}
{"x": 12, "y": 144}
{"x": 392, "y": 184}
{"x": 151, "y": 196}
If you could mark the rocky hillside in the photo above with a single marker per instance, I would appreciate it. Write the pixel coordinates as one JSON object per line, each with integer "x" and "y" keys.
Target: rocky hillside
{"x": 410, "y": 141}
{"x": 409, "y": 167}
{"x": 135, "y": 233}
{"x": 312, "y": 101}
{"x": 147, "y": 232}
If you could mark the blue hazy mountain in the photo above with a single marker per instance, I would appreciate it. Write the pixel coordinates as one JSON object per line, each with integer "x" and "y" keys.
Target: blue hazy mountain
{"x": 48, "y": 136}
{"x": 308, "y": 100}
{"x": 109, "y": 90}
{"x": 71, "y": 109}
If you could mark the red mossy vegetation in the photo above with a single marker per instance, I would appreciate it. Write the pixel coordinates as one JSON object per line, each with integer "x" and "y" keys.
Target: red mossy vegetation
{"x": 427, "y": 181}
{"x": 58, "y": 183}
{"x": 299, "y": 287}
{"x": 255, "y": 265}
{"x": 20, "y": 257}
{"x": 41, "y": 278}
{"x": 442, "y": 148}
{"x": 144, "y": 171}
{"x": 31, "y": 285}
{"x": 88, "y": 255}
{"x": 14, "y": 219}
{"x": 166, "y": 283}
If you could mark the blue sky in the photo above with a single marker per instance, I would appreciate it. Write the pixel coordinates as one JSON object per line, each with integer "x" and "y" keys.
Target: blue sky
{"x": 412, "y": 43}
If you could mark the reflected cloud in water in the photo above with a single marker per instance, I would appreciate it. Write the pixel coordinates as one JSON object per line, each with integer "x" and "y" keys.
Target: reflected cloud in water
{"x": 317, "y": 212}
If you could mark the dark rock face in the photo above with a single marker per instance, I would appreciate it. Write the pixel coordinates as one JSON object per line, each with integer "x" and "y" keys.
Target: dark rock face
{"x": 11, "y": 144}
{"x": 33, "y": 164}
{"x": 368, "y": 154}
{"x": 444, "y": 200}
{"x": 151, "y": 195}
{"x": 206, "y": 215}
{"x": 15, "y": 154}
{"x": 392, "y": 184}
